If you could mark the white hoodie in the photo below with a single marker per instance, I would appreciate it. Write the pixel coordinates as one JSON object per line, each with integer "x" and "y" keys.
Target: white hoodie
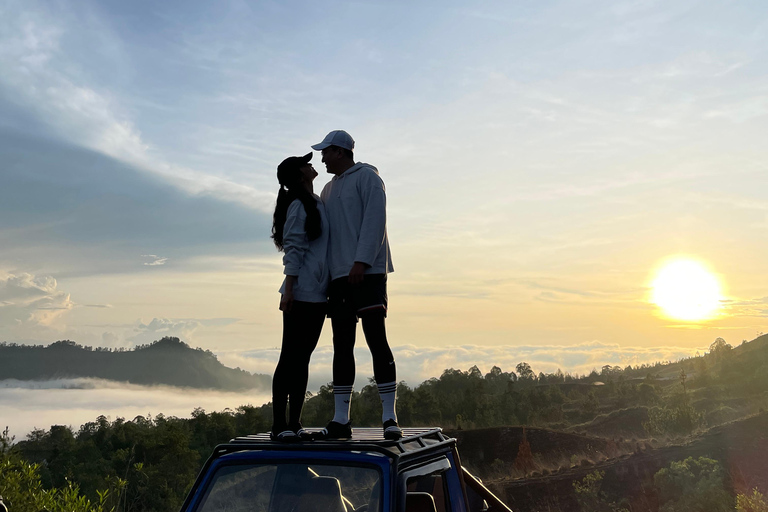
{"x": 304, "y": 258}
{"x": 356, "y": 205}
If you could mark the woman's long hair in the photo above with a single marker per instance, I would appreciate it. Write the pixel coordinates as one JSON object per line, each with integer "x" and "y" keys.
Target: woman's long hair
{"x": 292, "y": 188}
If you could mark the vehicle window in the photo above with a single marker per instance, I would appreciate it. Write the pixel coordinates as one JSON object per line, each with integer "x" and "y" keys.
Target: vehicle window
{"x": 421, "y": 488}
{"x": 291, "y": 488}
{"x": 476, "y": 501}
{"x": 235, "y": 486}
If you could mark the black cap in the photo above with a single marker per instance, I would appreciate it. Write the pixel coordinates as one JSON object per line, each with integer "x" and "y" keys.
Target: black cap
{"x": 292, "y": 163}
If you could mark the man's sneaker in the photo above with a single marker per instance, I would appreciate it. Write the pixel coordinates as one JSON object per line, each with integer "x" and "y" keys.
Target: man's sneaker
{"x": 336, "y": 430}
{"x": 392, "y": 430}
{"x": 303, "y": 435}
{"x": 283, "y": 436}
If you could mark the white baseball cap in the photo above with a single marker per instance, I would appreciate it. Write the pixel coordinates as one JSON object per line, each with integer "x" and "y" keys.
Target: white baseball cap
{"x": 338, "y": 138}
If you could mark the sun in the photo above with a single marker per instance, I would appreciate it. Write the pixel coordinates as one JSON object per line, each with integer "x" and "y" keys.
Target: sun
{"x": 685, "y": 290}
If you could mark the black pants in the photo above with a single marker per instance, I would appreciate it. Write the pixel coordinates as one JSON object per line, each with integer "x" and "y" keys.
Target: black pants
{"x": 301, "y": 330}
{"x": 344, "y": 333}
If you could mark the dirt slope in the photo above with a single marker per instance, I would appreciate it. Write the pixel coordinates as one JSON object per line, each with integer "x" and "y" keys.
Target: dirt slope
{"x": 741, "y": 446}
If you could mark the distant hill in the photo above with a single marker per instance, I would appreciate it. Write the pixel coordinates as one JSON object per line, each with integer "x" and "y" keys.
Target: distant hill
{"x": 168, "y": 361}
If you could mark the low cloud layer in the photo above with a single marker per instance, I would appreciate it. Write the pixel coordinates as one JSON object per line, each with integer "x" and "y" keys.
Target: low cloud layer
{"x": 417, "y": 364}
{"x": 28, "y": 405}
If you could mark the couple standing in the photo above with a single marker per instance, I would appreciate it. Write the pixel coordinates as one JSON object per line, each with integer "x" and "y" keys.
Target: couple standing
{"x": 336, "y": 263}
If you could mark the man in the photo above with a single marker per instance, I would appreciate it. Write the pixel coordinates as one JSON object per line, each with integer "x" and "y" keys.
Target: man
{"x": 358, "y": 260}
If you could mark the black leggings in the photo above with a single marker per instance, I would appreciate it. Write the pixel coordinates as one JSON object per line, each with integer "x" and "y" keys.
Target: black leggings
{"x": 301, "y": 330}
{"x": 344, "y": 332}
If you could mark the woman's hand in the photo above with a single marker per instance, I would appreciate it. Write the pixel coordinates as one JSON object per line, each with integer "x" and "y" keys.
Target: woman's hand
{"x": 286, "y": 299}
{"x": 286, "y": 302}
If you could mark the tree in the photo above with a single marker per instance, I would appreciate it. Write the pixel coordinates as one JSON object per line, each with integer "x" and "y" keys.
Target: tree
{"x": 6, "y": 442}
{"x": 591, "y": 404}
{"x": 647, "y": 394}
{"x": 701, "y": 372}
{"x": 524, "y": 371}
{"x": 719, "y": 349}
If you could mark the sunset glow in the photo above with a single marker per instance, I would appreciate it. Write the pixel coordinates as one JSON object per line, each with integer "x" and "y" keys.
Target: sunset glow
{"x": 685, "y": 290}
{"x": 542, "y": 163}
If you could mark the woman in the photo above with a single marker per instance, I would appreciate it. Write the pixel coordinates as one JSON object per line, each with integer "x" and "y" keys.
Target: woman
{"x": 300, "y": 230}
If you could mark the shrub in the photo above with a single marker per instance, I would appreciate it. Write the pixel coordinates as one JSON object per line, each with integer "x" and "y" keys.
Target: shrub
{"x": 693, "y": 485}
{"x": 23, "y": 491}
{"x": 754, "y": 502}
{"x": 682, "y": 419}
{"x": 524, "y": 460}
{"x": 590, "y": 497}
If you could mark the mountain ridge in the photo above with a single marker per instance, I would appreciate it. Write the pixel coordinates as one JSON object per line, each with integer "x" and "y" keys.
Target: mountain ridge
{"x": 167, "y": 361}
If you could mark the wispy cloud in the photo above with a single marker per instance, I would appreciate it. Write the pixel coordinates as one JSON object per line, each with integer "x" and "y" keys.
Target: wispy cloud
{"x": 154, "y": 260}
{"x": 37, "y": 73}
{"x": 750, "y": 307}
{"x": 160, "y": 327}
{"x": 183, "y": 328}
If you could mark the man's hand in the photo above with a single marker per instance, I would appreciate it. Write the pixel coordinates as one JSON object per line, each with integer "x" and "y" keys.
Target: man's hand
{"x": 357, "y": 274}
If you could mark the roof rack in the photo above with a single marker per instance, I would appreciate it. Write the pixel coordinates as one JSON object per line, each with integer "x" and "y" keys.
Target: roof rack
{"x": 414, "y": 442}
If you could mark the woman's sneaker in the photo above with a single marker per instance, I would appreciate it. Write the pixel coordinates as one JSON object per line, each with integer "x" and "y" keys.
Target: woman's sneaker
{"x": 392, "y": 430}
{"x": 283, "y": 436}
{"x": 301, "y": 433}
{"x": 336, "y": 430}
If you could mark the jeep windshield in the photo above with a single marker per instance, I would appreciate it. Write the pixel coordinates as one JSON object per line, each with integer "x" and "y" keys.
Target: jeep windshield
{"x": 292, "y": 487}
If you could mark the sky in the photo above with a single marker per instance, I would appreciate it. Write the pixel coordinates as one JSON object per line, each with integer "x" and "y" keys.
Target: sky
{"x": 542, "y": 160}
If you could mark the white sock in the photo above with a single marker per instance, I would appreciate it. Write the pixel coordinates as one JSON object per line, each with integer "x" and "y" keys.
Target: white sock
{"x": 342, "y": 397}
{"x": 388, "y": 395}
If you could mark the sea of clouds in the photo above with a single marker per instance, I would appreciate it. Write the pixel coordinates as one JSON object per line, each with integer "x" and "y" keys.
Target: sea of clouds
{"x": 25, "y": 405}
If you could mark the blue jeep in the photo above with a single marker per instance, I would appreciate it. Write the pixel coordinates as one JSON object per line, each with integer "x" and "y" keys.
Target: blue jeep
{"x": 419, "y": 473}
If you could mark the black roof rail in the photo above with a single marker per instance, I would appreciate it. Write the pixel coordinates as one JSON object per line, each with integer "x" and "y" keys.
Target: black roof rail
{"x": 415, "y": 441}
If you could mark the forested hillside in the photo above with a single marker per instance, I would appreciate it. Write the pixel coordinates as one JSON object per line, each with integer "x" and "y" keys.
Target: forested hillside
{"x": 167, "y": 361}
